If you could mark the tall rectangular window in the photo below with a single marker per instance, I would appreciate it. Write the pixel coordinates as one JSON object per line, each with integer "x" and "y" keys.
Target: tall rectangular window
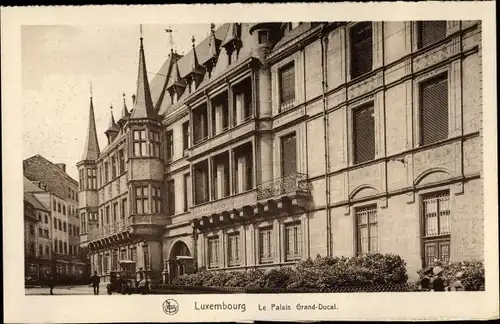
{"x": 92, "y": 178}
{"x": 145, "y": 253}
{"x": 123, "y": 209}
{"x": 171, "y": 197}
{"x": 82, "y": 222}
{"x": 123, "y": 254}
{"x": 185, "y": 135}
{"x": 200, "y": 126}
{"x": 108, "y": 214}
{"x": 121, "y": 157}
{"x": 54, "y": 203}
{"x": 287, "y": 86}
{"x": 430, "y": 32}
{"x": 106, "y": 172}
{"x": 140, "y": 143}
{"x": 364, "y": 134}
{"x": 288, "y": 155}
{"x": 82, "y": 179}
{"x": 436, "y": 222}
{"x": 133, "y": 253}
{"x": 154, "y": 138}
{"x": 113, "y": 167}
{"x": 115, "y": 212}
{"x": 265, "y": 244}
{"x": 106, "y": 262}
{"x": 293, "y": 241}
{"x": 434, "y": 110}
{"x": 170, "y": 145}
{"x": 361, "y": 49}
{"x": 213, "y": 252}
{"x": 141, "y": 199}
{"x": 155, "y": 199}
{"x": 114, "y": 260}
{"x": 367, "y": 229}
{"x": 233, "y": 249}
{"x": 187, "y": 191}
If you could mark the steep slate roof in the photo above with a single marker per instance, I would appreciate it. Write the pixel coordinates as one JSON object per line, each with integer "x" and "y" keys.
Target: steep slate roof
{"x": 164, "y": 78}
{"x": 112, "y": 126}
{"x": 293, "y": 34}
{"x": 29, "y": 186}
{"x": 143, "y": 107}
{"x": 35, "y": 202}
{"x": 91, "y": 148}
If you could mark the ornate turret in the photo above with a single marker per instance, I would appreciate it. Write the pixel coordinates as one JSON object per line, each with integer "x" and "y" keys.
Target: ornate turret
{"x": 233, "y": 43}
{"x": 143, "y": 104}
{"x": 87, "y": 170}
{"x": 91, "y": 149}
{"x": 113, "y": 128}
{"x": 125, "y": 114}
{"x": 213, "y": 47}
{"x": 196, "y": 73}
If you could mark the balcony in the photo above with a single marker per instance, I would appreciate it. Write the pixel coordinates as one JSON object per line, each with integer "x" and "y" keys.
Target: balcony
{"x": 288, "y": 194}
{"x": 294, "y": 183}
{"x": 109, "y": 234}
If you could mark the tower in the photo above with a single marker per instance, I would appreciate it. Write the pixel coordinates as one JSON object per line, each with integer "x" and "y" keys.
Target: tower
{"x": 87, "y": 170}
{"x": 113, "y": 128}
{"x": 144, "y": 165}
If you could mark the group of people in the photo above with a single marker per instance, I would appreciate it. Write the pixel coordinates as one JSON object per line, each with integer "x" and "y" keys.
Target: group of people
{"x": 433, "y": 280}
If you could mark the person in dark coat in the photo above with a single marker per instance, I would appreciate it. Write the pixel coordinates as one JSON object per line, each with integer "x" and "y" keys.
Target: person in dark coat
{"x": 438, "y": 283}
{"x": 95, "y": 281}
{"x": 51, "y": 282}
{"x": 426, "y": 281}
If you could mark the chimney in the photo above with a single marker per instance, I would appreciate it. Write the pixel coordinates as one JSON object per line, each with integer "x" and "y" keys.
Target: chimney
{"x": 62, "y": 166}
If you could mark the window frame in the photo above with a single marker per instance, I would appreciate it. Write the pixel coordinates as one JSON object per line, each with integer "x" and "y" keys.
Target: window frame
{"x": 419, "y": 31}
{"x": 265, "y": 231}
{"x": 154, "y": 143}
{"x": 440, "y": 238}
{"x": 295, "y": 228}
{"x": 357, "y": 210}
{"x": 432, "y": 80}
{"x": 286, "y": 103}
{"x": 213, "y": 256}
{"x": 139, "y": 143}
{"x": 233, "y": 249}
{"x": 169, "y": 146}
{"x": 170, "y": 184}
{"x": 352, "y": 50}
{"x": 354, "y": 111}
{"x": 143, "y": 198}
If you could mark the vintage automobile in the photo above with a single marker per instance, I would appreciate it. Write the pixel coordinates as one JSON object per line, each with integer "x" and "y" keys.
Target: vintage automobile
{"x": 124, "y": 280}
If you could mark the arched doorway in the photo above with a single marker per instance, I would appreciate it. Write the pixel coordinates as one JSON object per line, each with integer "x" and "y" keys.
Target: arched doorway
{"x": 180, "y": 261}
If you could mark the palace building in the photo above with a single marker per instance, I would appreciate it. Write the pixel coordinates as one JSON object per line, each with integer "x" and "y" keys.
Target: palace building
{"x": 270, "y": 143}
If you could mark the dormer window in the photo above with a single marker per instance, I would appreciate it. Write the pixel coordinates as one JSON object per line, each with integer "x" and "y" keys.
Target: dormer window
{"x": 263, "y": 36}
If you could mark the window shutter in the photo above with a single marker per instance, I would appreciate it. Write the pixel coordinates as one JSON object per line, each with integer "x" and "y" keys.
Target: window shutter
{"x": 364, "y": 134}
{"x": 434, "y": 111}
{"x": 361, "y": 49}
{"x": 431, "y": 32}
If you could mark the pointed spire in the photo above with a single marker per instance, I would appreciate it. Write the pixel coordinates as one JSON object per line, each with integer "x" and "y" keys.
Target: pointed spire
{"x": 125, "y": 112}
{"x": 143, "y": 106}
{"x": 91, "y": 150}
{"x": 194, "y": 63}
{"x": 112, "y": 127}
{"x": 212, "y": 42}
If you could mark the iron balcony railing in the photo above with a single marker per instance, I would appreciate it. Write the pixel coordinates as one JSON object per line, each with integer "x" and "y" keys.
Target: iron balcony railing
{"x": 108, "y": 229}
{"x": 294, "y": 182}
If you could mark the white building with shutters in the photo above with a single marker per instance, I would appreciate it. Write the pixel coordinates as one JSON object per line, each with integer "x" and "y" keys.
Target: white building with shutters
{"x": 270, "y": 143}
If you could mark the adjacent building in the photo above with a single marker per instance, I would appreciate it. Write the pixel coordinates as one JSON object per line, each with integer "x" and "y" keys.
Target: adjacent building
{"x": 58, "y": 233}
{"x": 269, "y": 143}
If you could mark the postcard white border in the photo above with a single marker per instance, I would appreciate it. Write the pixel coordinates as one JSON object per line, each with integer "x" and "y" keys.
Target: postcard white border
{"x": 366, "y": 306}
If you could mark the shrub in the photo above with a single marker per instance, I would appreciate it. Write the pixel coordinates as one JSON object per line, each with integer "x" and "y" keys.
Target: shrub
{"x": 321, "y": 274}
{"x": 473, "y": 273}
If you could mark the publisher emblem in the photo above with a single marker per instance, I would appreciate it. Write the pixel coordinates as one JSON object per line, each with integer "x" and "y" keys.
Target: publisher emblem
{"x": 170, "y": 307}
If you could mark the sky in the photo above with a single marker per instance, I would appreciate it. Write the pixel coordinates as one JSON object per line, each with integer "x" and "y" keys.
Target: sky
{"x": 60, "y": 62}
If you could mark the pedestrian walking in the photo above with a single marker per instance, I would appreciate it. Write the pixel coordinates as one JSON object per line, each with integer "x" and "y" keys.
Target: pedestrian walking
{"x": 95, "y": 281}
{"x": 52, "y": 283}
{"x": 438, "y": 283}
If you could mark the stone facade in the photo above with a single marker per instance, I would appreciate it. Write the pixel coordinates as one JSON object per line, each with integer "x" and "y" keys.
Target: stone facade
{"x": 58, "y": 245}
{"x": 255, "y": 180}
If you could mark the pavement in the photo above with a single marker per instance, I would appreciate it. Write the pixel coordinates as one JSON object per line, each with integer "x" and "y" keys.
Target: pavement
{"x": 66, "y": 290}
